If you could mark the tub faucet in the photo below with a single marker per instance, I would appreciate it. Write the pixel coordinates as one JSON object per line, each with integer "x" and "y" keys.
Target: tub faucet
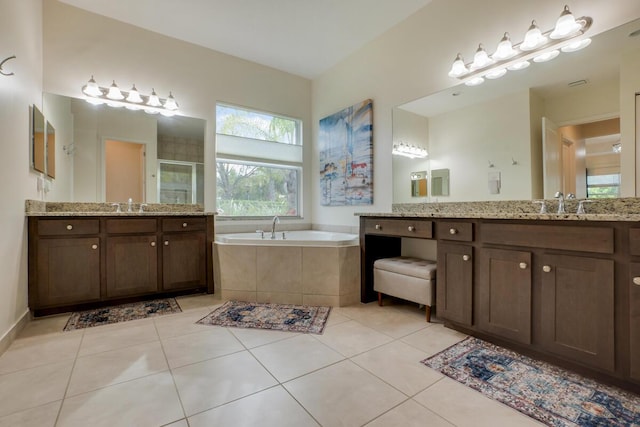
{"x": 560, "y": 198}
{"x": 275, "y": 221}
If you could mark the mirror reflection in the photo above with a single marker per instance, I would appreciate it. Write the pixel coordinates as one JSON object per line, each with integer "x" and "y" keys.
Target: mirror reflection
{"x": 37, "y": 140}
{"x": 419, "y": 184}
{"x": 120, "y": 154}
{"x": 500, "y": 123}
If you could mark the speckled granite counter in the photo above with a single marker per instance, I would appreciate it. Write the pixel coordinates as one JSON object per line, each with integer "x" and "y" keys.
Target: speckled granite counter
{"x": 622, "y": 209}
{"x": 40, "y": 208}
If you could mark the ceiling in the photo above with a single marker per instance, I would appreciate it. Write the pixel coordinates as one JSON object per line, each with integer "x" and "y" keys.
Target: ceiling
{"x": 302, "y": 37}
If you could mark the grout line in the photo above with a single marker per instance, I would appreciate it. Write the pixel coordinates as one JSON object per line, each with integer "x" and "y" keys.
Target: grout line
{"x": 66, "y": 389}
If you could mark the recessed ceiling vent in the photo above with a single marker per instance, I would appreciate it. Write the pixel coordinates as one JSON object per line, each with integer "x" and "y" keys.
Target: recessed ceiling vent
{"x": 577, "y": 83}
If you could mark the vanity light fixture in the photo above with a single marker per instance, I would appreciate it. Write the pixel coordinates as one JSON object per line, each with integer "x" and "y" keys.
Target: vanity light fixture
{"x": 113, "y": 96}
{"x": 566, "y": 36}
{"x": 408, "y": 150}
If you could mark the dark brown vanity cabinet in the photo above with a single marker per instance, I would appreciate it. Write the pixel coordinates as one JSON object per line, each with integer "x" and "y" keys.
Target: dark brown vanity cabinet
{"x": 634, "y": 319}
{"x": 504, "y": 293}
{"x": 183, "y": 253}
{"x": 454, "y": 284}
{"x": 76, "y": 262}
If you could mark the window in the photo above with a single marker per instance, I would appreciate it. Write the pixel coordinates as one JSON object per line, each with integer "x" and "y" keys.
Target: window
{"x": 259, "y": 163}
{"x": 603, "y": 186}
{"x": 180, "y": 182}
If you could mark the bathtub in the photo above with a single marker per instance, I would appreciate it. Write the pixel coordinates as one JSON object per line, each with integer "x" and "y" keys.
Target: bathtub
{"x": 291, "y": 238}
{"x": 307, "y": 267}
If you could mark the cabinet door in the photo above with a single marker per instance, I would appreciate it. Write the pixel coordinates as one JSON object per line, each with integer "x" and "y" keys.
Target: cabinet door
{"x": 504, "y": 287}
{"x": 454, "y": 283}
{"x": 578, "y": 309}
{"x": 68, "y": 271}
{"x": 184, "y": 261}
{"x": 132, "y": 265}
{"x": 634, "y": 327}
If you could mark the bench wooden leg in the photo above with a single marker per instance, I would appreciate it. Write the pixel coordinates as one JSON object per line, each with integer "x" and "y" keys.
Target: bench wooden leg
{"x": 380, "y": 299}
{"x": 428, "y": 310}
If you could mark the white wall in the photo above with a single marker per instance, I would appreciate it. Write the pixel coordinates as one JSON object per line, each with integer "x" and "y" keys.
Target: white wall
{"x": 412, "y": 60}
{"x": 20, "y": 35}
{"x": 411, "y": 129}
{"x": 57, "y": 111}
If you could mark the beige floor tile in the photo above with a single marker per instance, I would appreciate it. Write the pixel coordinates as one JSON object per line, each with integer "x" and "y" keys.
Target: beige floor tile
{"x": 434, "y": 339}
{"x": 399, "y": 364}
{"x": 396, "y": 323}
{"x": 205, "y": 345}
{"x": 343, "y": 394}
{"x": 290, "y": 358}
{"x": 336, "y": 318}
{"x": 351, "y": 338}
{"x": 270, "y": 408}
{"x": 35, "y": 351}
{"x": 181, "y": 423}
{"x": 45, "y": 325}
{"x": 116, "y": 366}
{"x": 182, "y": 324}
{"x": 409, "y": 414}
{"x": 252, "y": 338}
{"x": 113, "y": 338}
{"x": 190, "y": 302}
{"x": 464, "y": 406}
{"x": 211, "y": 383}
{"x": 148, "y": 401}
{"x": 33, "y": 387}
{"x": 41, "y": 416}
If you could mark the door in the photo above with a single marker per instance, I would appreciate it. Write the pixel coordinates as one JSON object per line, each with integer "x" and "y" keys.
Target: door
{"x": 454, "y": 285}
{"x": 505, "y": 294}
{"x": 184, "y": 261}
{"x": 124, "y": 171}
{"x": 577, "y": 296}
{"x": 132, "y": 265}
{"x": 68, "y": 271}
{"x": 551, "y": 158}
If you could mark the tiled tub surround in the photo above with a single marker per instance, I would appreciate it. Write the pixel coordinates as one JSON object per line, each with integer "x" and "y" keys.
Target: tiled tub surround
{"x": 621, "y": 209}
{"x": 277, "y": 273}
{"x": 40, "y": 208}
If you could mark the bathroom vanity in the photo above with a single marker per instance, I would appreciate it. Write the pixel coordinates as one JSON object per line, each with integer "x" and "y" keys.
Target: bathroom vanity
{"x": 86, "y": 259}
{"x": 564, "y": 288}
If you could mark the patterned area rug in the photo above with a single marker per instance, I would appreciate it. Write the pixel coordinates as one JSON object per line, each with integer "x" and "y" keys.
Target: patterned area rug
{"x": 281, "y": 317}
{"x": 542, "y": 391}
{"x": 122, "y": 313}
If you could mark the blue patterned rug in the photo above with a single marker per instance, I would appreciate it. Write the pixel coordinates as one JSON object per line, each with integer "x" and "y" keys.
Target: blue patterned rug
{"x": 282, "y": 317}
{"x": 551, "y": 395}
{"x": 122, "y": 313}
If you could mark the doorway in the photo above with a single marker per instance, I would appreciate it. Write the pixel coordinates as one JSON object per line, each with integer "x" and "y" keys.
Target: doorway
{"x": 124, "y": 171}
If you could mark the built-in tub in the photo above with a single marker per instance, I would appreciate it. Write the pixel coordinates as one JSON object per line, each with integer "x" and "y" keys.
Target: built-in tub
{"x": 307, "y": 267}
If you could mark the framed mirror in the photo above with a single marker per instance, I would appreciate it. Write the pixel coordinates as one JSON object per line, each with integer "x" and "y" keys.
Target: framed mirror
{"x": 419, "y": 184}
{"x": 440, "y": 182}
{"x": 51, "y": 150}
{"x": 38, "y": 142}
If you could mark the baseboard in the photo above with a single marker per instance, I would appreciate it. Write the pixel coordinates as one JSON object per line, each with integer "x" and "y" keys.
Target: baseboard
{"x": 12, "y": 333}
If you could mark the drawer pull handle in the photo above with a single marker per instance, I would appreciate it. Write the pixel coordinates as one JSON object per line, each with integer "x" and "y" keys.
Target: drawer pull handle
{"x": 166, "y": 243}
{"x": 453, "y": 231}
{"x": 69, "y": 227}
{"x": 411, "y": 228}
{"x": 184, "y": 225}
{"x": 546, "y": 268}
{"x": 378, "y": 227}
{"x": 153, "y": 243}
{"x": 523, "y": 265}
{"x": 94, "y": 246}
{"x": 466, "y": 257}
{"x": 636, "y": 281}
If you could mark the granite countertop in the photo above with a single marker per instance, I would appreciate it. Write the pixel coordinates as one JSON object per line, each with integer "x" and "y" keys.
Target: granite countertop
{"x": 65, "y": 209}
{"x": 622, "y": 209}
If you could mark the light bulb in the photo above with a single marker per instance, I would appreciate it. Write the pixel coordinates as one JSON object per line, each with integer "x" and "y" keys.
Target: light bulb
{"x": 547, "y": 56}
{"x": 577, "y": 45}
{"x": 171, "y": 104}
{"x": 474, "y": 81}
{"x": 114, "y": 92}
{"x": 153, "y": 101}
{"x": 505, "y": 49}
{"x": 519, "y": 66}
{"x": 134, "y": 96}
{"x": 458, "y": 69}
{"x": 481, "y": 58}
{"x": 565, "y": 26}
{"x": 496, "y": 74}
{"x": 91, "y": 88}
{"x": 533, "y": 39}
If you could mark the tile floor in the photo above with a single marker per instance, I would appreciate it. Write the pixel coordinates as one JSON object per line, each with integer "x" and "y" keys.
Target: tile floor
{"x": 168, "y": 371}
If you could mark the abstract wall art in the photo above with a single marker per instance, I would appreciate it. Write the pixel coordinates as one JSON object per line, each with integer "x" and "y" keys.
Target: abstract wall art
{"x": 346, "y": 156}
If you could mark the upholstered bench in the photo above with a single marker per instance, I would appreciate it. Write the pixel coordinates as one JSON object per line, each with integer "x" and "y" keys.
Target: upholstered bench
{"x": 409, "y": 278}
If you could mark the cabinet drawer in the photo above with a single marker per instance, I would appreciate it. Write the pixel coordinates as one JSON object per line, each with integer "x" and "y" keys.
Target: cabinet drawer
{"x": 399, "y": 227}
{"x": 68, "y": 227}
{"x": 634, "y": 241}
{"x": 131, "y": 225}
{"x": 184, "y": 224}
{"x": 565, "y": 237}
{"x": 458, "y": 231}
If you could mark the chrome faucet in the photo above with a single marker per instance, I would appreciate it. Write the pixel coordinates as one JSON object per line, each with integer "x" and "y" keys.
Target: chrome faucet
{"x": 560, "y": 198}
{"x": 275, "y": 221}
{"x": 130, "y": 205}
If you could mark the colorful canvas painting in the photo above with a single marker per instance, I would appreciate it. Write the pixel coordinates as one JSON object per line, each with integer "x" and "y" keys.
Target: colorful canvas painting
{"x": 346, "y": 156}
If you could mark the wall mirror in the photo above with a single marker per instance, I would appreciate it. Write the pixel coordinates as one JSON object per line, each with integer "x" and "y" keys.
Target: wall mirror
{"x": 498, "y": 124}
{"x": 51, "y": 150}
{"x": 120, "y": 154}
{"x": 37, "y": 139}
{"x": 419, "y": 184}
{"x": 440, "y": 182}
